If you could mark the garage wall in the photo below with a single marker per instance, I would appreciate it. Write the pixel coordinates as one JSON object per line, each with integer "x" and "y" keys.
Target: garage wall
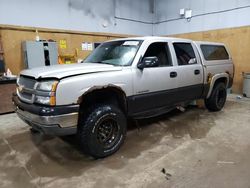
{"x": 213, "y": 20}
{"x": 12, "y": 37}
{"x": 207, "y": 15}
{"x": 74, "y": 21}
{"x": 109, "y": 16}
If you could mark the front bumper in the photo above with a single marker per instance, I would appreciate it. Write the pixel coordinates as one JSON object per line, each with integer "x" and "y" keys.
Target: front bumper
{"x": 57, "y": 121}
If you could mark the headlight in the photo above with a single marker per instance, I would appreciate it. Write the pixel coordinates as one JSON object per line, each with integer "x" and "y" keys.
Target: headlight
{"x": 46, "y": 93}
{"x": 42, "y": 100}
{"x": 46, "y": 100}
{"x": 47, "y": 86}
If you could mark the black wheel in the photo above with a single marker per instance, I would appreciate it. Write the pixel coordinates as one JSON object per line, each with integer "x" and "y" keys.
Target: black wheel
{"x": 217, "y": 99}
{"x": 102, "y": 131}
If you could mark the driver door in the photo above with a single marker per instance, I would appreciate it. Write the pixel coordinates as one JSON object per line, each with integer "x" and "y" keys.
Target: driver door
{"x": 153, "y": 86}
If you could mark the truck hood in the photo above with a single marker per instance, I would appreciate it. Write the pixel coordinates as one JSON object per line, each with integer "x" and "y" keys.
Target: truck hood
{"x": 61, "y": 71}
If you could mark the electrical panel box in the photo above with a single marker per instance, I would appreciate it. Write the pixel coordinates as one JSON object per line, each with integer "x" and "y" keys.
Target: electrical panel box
{"x": 182, "y": 12}
{"x": 41, "y": 53}
{"x": 188, "y": 14}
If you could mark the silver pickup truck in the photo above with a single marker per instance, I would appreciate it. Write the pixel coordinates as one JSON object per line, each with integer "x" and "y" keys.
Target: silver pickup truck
{"x": 125, "y": 78}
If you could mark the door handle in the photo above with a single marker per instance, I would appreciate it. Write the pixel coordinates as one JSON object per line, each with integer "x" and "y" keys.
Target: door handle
{"x": 173, "y": 74}
{"x": 197, "y": 72}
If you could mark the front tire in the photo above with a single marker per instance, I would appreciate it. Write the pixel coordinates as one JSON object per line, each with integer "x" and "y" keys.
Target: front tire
{"x": 217, "y": 99}
{"x": 102, "y": 131}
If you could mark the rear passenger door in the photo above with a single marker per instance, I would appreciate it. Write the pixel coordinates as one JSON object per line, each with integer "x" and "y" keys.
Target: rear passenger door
{"x": 189, "y": 71}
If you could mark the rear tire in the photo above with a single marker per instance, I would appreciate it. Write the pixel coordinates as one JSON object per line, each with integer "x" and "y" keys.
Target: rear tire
{"x": 102, "y": 130}
{"x": 217, "y": 99}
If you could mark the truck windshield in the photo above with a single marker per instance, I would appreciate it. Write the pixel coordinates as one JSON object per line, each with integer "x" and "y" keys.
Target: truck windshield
{"x": 118, "y": 53}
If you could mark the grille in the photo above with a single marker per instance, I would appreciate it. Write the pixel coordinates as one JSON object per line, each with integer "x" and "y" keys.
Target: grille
{"x": 25, "y": 89}
{"x": 28, "y": 83}
{"x": 26, "y": 95}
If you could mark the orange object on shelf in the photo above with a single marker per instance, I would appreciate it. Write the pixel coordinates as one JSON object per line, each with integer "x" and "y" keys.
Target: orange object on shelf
{"x": 68, "y": 58}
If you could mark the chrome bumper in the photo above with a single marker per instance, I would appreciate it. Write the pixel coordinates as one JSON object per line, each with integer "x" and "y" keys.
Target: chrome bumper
{"x": 59, "y": 125}
{"x": 57, "y": 120}
{"x": 63, "y": 121}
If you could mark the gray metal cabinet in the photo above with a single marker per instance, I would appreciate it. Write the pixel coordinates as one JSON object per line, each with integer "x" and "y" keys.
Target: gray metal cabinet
{"x": 37, "y": 54}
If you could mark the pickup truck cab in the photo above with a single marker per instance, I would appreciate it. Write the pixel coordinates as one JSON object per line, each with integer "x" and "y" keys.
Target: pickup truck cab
{"x": 125, "y": 78}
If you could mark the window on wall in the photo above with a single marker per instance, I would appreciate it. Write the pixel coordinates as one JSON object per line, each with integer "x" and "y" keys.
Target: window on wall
{"x": 161, "y": 51}
{"x": 184, "y": 53}
{"x": 214, "y": 52}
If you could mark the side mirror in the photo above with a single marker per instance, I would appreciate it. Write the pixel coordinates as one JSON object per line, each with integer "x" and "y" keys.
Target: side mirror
{"x": 148, "y": 62}
{"x": 192, "y": 61}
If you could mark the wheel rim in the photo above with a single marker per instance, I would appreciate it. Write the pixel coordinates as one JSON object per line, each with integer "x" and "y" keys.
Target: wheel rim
{"x": 107, "y": 132}
{"x": 220, "y": 97}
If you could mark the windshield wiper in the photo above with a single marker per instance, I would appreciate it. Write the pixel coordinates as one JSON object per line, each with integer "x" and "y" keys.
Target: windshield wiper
{"x": 102, "y": 62}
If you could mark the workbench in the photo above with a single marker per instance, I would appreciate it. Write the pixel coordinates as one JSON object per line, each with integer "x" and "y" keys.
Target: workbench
{"x": 7, "y": 88}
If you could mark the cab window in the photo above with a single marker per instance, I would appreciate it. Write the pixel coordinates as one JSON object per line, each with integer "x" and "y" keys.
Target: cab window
{"x": 184, "y": 53}
{"x": 161, "y": 51}
{"x": 214, "y": 52}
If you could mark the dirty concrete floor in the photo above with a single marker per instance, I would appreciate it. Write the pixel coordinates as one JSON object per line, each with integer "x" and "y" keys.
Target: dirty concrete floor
{"x": 196, "y": 148}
